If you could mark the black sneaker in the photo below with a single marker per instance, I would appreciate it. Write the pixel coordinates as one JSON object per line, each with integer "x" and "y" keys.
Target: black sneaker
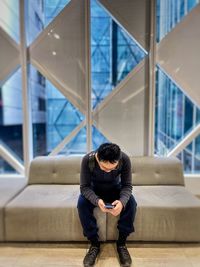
{"x": 91, "y": 256}
{"x": 124, "y": 256}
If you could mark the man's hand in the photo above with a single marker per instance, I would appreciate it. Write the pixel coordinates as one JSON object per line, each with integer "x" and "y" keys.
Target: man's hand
{"x": 117, "y": 209}
{"x": 101, "y": 205}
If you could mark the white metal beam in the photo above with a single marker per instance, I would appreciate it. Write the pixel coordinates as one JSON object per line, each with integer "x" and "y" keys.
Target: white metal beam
{"x": 88, "y": 77}
{"x": 152, "y": 70}
{"x": 186, "y": 141}
{"x": 7, "y": 156}
{"x": 27, "y": 122}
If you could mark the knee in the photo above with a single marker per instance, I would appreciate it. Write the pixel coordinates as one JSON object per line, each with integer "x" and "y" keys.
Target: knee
{"x": 82, "y": 203}
{"x": 132, "y": 203}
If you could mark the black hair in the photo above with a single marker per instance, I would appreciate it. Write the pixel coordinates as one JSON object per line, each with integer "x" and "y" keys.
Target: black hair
{"x": 109, "y": 152}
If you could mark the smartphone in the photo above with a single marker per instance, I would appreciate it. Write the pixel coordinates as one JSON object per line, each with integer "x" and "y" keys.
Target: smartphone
{"x": 109, "y": 206}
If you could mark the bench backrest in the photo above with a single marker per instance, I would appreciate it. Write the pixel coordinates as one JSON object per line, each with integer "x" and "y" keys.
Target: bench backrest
{"x": 157, "y": 171}
{"x": 145, "y": 170}
{"x": 55, "y": 170}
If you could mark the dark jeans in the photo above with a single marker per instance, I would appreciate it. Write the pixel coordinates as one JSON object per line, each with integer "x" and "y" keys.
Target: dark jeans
{"x": 88, "y": 221}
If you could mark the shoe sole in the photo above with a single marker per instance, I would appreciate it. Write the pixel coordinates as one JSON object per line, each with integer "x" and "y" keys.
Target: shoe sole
{"x": 125, "y": 265}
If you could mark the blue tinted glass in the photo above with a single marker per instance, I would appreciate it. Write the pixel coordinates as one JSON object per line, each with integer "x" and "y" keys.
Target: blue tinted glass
{"x": 54, "y": 117}
{"x": 77, "y": 145}
{"x": 188, "y": 120}
{"x": 100, "y": 59}
{"x": 198, "y": 116}
{"x": 100, "y": 33}
{"x": 187, "y": 160}
{"x": 39, "y": 14}
{"x": 52, "y": 8}
{"x": 190, "y": 157}
{"x": 169, "y": 13}
{"x": 192, "y": 3}
{"x": 197, "y": 154}
{"x": 9, "y": 17}
{"x": 98, "y": 138}
{"x": 174, "y": 114}
{"x": 11, "y": 115}
{"x": 101, "y": 86}
{"x": 113, "y": 53}
{"x": 6, "y": 168}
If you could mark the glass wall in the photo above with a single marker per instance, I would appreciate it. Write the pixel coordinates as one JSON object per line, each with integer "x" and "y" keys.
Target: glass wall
{"x": 175, "y": 114}
{"x": 11, "y": 118}
{"x": 113, "y": 55}
{"x": 56, "y": 116}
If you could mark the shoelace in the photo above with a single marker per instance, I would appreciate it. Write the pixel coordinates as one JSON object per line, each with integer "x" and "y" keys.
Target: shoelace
{"x": 93, "y": 251}
{"x": 125, "y": 252}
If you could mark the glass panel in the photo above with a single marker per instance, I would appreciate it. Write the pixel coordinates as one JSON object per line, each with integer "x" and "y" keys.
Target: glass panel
{"x": 98, "y": 138}
{"x": 122, "y": 120}
{"x": 113, "y": 53}
{"x": 40, "y": 13}
{"x": 175, "y": 114}
{"x": 187, "y": 159}
{"x": 5, "y": 168}
{"x": 52, "y": 8}
{"x": 61, "y": 55}
{"x": 190, "y": 157}
{"x": 9, "y": 56}
{"x": 54, "y": 117}
{"x": 169, "y": 13}
{"x": 11, "y": 115}
{"x": 9, "y": 17}
{"x": 198, "y": 116}
{"x": 191, "y": 4}
{"x": 133, "y": 16}
{"x": 77, "y": 145}
{"x": 197, "y": 155}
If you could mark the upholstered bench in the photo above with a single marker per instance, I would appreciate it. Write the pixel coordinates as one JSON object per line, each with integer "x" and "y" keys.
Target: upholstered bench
{"x": 9, "y": 188}
{"x": 46, "y": 209}
{"x": 166, "y": 210}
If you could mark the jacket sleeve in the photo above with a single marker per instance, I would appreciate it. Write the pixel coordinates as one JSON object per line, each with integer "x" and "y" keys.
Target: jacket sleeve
{"x": 126, "y": 180}
{"x": 85, "y": 182}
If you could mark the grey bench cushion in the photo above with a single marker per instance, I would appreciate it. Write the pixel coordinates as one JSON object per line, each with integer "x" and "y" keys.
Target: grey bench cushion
{"x": 157, "y": 171}
{"x": 9, "y": 188}
{"x": 47, "y": 213}
{"x": 165, "y": 213}
{"x": 55, "y": 170}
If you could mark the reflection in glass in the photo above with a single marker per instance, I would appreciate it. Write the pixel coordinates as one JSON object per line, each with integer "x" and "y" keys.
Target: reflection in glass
{"x": 97, "y": 138}
{"x": 197, "y": 154}
{"x": 190, "y": 157}
{"x": 176, "y": 116}
{"x": 53, "y": 8}
{"x": 11, "y": 115}
{"x": 9, "y": 17}
{"x": 171, "y": 12}
{"x": 77, "y": 145}
{"x": 62, "y": 117}
{"x": 5, "y": 168}
{"x": 113, "y": 53}
{"x": 53, "y": 116}
{"x": 40, "y": 14}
